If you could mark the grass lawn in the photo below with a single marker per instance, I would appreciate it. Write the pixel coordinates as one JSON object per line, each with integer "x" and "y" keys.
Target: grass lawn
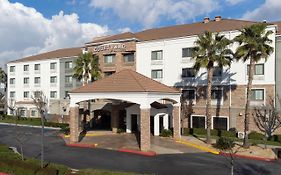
{"x": 12, "y": 164}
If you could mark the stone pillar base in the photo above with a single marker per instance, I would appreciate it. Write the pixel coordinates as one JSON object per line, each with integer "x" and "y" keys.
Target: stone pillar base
{"x": 74, "y": 124}
{"x": 145, "y": 129}
{"x": 115, "y": 118}
{"x": 176, "y": 122}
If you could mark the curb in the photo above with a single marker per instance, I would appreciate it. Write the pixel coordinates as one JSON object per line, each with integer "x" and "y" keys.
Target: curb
{"x": 148, "y": 153}
{"x": 3, "y": 173}
{"x": 248, "y": 157}
{"x": 79, "y": 145}
{"x": 203, "y": 148}
{"x": 30, "y": 126}
{"x": 86, "y": 135}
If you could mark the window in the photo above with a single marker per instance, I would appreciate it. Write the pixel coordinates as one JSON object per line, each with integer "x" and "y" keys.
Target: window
{"x": 37, "y": 67}
{"x": 188, "y": 94}
{"x": 53, "y": 94}
{"x": 257, "y": 94}
{"x": 26, "y": 94}
{"x": 68, "y": 79}
{"x": 157, "y": 55}
{"x": 187, "y": 52}
{"x": 66, "y": 94}
{"x": 12, "y": 68}
{"x": 33, "y": 113}
{"x": 68, "y": 64}
{"x": 188, "y": 73}
{"x": 258, "y": 69}
{"x": 216, "y": 94}
{"x": 218, "y": 71}
{"x": 12, "y": 81}
{"x": 156, "y": 74}
{"x": 22, "y": 112}
{"x": 53, "y": 66}
{"x": 37, "y": 94}
{"x": 109, "y": 59}
{"x": 198, "y": 121}
{"x": 106, "y": 74}
{"x": 220, "y": 123}
{"x": 26, "y": 80}
{"x": 53, "y": 79}
{"x": 37, "y": 80}
{"x": 12, "y": 94}
{"x": 25, "y": 68}
{"x": 129, "y": 57}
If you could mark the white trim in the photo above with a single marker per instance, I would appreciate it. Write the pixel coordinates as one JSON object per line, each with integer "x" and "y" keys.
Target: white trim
{"x": 212, "y": 122}
{"x": 191, "y": 117}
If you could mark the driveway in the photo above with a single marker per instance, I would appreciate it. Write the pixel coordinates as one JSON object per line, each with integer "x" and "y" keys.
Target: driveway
{"x": 185, "y": 163}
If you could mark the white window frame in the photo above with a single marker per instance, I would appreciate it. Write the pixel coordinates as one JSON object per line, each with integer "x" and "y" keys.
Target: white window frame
{"x": 256, "y": 102}
{"x": 186, "y": 89}
{"x": 14, "y": 69}
{"x": 56, "y": 79}
{"x": 227, "y": 117}
{"x": 55, "y": 93}
{"x": 157, "y": 78}
{"x": 39, "y": 67}
{"x": 70, "y": 82}
{"x": 24, "y": 66}
{"x": 68, "y": 65}
{"x": 26, "y": 78}
{"x": 191, "y": 120}
{"x": 55, "y": 65}
{"x": 185, "y": 57}
{"x": 28, "y": 94}
{"x": 12, "y": 81}
{"x": 214, "y": 102}
{"x": 153, "y": 51}
{"x": 14, "y": 94}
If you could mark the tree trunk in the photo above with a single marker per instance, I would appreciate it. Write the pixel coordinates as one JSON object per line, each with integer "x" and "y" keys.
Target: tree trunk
{"x": 42, "y": 140}
{"x": 247, "y": 108}
{"x": 208, "y": 103}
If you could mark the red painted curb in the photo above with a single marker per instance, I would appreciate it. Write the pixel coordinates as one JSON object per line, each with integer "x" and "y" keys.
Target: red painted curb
{"x": 148, "y": 153}
{"x": 81, "y": 145}
{"x": 3, "y": 174}
{"x": 249, "y": 157}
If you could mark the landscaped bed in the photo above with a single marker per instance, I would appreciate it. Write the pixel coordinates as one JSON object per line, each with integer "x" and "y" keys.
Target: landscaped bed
{"x": 11, "y": 163}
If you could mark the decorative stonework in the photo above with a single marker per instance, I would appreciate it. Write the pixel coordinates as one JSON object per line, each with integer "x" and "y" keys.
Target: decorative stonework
{"x": 145, "y": 129}
{"x": 176, "y": 122}
{"x": 74, "y": 124}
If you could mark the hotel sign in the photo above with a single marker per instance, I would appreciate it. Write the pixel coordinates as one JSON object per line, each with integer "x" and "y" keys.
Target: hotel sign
{"x": 110, "y": 48}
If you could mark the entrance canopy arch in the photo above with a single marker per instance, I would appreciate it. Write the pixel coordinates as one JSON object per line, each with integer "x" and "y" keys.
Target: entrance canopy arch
{"x": 129, "y": 86}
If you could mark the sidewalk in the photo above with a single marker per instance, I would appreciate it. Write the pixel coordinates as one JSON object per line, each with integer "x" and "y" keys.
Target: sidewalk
{"x": 254, "y": 152}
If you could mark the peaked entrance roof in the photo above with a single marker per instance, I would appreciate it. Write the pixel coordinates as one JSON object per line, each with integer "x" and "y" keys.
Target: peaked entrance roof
{"x": 125, "y": 81}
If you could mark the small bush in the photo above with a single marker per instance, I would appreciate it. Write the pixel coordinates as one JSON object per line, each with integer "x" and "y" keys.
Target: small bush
{"x": 224, "y": 133}
{"x": 166, "y": 133}
{"x": 224, "y": 143}
{"x": 120, "y": 130}
{"x": 255, "y": 136}
{"x": 199, "y": 131}
{"x": 276, "y": 138}
{"x": 186, "y": 131}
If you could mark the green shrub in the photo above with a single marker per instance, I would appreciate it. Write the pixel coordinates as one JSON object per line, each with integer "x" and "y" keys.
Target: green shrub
{"x": 255, "y": 136}
{"x": 224, "y": 143}
{"x": 120, "y": 130}
{"x": 199, "y": 131}
{"x": 223, "y": 133}
{"x": 214, "y": 132}
{"x": 166, "y": 133}
{"x": 186, "y": 131}
{"x": 276, "y": 138}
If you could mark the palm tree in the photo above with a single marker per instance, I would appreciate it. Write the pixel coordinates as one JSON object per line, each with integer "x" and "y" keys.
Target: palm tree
{"x": 211, "y": 49}
{"x": 253, "y": 46}
{"x": 87, "y": 68}
{"x": 3, "y": 77}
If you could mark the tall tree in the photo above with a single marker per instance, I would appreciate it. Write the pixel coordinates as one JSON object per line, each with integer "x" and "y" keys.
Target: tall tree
{"x": 3, "y": 76}
{"x": 254, "y": 45}
{"x": 211, "y": 50}
{"x": 87, "y": 68}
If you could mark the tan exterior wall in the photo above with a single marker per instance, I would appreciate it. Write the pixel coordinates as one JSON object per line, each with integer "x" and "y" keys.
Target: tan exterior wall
{"x": 235, "y": 111}
{"x": 119, "y": 64}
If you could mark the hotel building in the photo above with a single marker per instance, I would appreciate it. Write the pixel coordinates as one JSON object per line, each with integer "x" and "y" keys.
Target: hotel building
{"x": 162, "y": 54}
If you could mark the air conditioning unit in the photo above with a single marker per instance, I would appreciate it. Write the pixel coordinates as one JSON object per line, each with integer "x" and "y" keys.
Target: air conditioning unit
{"x": 241, "y": 135}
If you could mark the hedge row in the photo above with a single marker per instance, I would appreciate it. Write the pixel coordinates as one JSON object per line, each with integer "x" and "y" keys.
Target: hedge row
{"x": 223, "y": 133}
{"x": 214, "y": 132}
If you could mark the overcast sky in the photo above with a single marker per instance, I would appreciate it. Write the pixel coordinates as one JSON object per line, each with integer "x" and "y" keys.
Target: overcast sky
{"x": 29, "y": 27}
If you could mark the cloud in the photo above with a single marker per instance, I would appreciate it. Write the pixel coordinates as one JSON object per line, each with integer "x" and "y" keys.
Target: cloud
{"x": 234, "y": 2}
{"x": 24, "y": 31}
{"x": 150, "y": 12}
{"x": 269, "y": 10}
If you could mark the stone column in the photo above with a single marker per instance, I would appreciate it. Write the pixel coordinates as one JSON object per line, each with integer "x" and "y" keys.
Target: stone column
{"x": 145, "y": 129}
{"x": 74, "y": 124}
{"x": 176, "y": 122}
{"x": 115, "y": 118}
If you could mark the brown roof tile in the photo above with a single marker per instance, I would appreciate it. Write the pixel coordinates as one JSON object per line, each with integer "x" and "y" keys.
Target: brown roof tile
{"x": 125, "y": 81}
{"x": 121, "y": 36}
{"x": 68, "y": 52}
{"x": 192, "y": 29}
